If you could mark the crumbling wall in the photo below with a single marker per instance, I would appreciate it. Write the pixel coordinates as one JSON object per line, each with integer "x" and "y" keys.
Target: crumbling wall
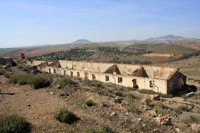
{"x": 147, "y": 77}
{"x": 177, "y": 81}
{"x": 7, "y": 61}
{"x": 159, "y": 85}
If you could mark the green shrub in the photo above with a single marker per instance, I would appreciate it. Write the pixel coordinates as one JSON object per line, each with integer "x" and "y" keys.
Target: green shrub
{"x": 24, "y": 78}
{"x": 148, "y": 102}
{"x": 14, "y": 124}
{"x": 166, "y": 95}
{"x": 161, "y": 108}
{"x": 36, "y": 81}
{"x": 191, "y": 119}
{"x": 94, "y": 83}
{"x": 102, "y": 129}
{"x": 118, "y": 93}
{"x": 160, "y": 105}
{"x": 66, "y": 81}
{"x": 184, "y": 108}
{"x": 64, "y": 94}
{"x": 65, "y": 116}
{"x": 20, "y": 78}
{"x": 105, "y": 129}
{"x": 147, "y": 91}
{"x": 134, "y": 107}
{"x": 184, "y": 96}
{"x": 178, "y": 111}
{"x": 90, "y": 103}
{"x": 13, "y": 79}
{"x": 7, "y": 75}
{"x": 134, "y": 96}
{"x": 40, "y": 81}
{"x": 2, "y": 72}
{"x": 99, "y": 85}
{"x": 105, "y": 91}
{"x": 132, "y": 89}
{"x": 105, "y": 104}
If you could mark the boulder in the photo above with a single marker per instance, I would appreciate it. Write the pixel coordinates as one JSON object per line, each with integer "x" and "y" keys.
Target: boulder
{"x": 155, "y": 97}
{"x": 196, "y": 127}
{"x": 144, "y": 100}
{"x": 167, "y": 121}
{"x": 144, "y": 108}
{"x": 6, "y": 66}
{"x": 163, "y": 120}
{"x": 118, "y": 100}
{"x": 113, "y": 114}
{"x": 190, "y": 94}
{"x": 178, "y": 130}
{"x": 151, "y": 113}
{"x": 58, "y": 86}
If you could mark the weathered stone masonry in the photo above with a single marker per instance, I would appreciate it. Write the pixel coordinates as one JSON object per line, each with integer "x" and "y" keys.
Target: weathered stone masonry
{"x": 157, "y": 78}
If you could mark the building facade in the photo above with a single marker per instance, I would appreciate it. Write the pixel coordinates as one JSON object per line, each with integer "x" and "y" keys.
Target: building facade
{"x": 160, "y": 79}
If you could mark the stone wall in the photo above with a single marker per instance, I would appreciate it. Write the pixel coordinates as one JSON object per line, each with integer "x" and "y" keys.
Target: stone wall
{"x": 7, "y": 61}
{"x": 159, "y": 85}
{"x": 157, "y": 78}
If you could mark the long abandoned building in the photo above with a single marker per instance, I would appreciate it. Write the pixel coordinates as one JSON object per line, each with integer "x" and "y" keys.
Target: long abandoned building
{"x": 160, "y": 79}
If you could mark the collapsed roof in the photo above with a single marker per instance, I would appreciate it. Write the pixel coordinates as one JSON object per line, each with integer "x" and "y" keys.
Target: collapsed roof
{"x": 149, "y": 71}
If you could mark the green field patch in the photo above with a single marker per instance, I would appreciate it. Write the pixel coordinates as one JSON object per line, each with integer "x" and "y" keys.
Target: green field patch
{"x": 146, "y": 45}
{"x": 6, "y": 51}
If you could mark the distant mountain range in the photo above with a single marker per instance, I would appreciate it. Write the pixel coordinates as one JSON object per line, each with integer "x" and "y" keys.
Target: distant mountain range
{"x": 82, "y": 41}
{"x": 169, "y": 37}
{"x": 164, "y": 39}
{"x": 161, "y": 38}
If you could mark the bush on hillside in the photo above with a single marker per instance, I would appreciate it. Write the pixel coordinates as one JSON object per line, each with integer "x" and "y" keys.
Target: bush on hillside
{"x": 119, "y": 93}
{"x": 7, "y": 75}
{"x": 147, "y": 91}
{"x": 66, "y": 81}
{"x": 134, "y": 96}
{"x": 184, "y": 108}
{"x": 2, "y": 72}
{"x": 133, "y": 106}
{"x": 191, "y": 119}
{"x": 102, "y": 129}
{"x": 65, "y": 116}
{"x": 90, "y": 103}
{"x": 160, "y": 108}
{"x": 14, "y": 124}
{"x": 36, "y": 81}
{"x": 166, "y": 95}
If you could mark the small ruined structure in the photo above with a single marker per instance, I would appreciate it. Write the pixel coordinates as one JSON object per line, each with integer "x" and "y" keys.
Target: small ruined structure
{"x": 160, "y": 79}
{"x": 22, "y": 56}
{"x": 7, "y": 61}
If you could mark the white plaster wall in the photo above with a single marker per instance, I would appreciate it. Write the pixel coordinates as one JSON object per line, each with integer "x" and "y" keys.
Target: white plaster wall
{"x": 142, "y": 82}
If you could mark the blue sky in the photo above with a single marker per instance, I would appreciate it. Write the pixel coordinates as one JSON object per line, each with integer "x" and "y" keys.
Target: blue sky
{"x": 35, "y": 22}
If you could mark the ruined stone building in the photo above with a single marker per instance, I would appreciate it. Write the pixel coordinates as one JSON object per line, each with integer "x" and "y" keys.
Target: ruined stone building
{"x": 160, "y": 79}
{"x": 7, "y": 61}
